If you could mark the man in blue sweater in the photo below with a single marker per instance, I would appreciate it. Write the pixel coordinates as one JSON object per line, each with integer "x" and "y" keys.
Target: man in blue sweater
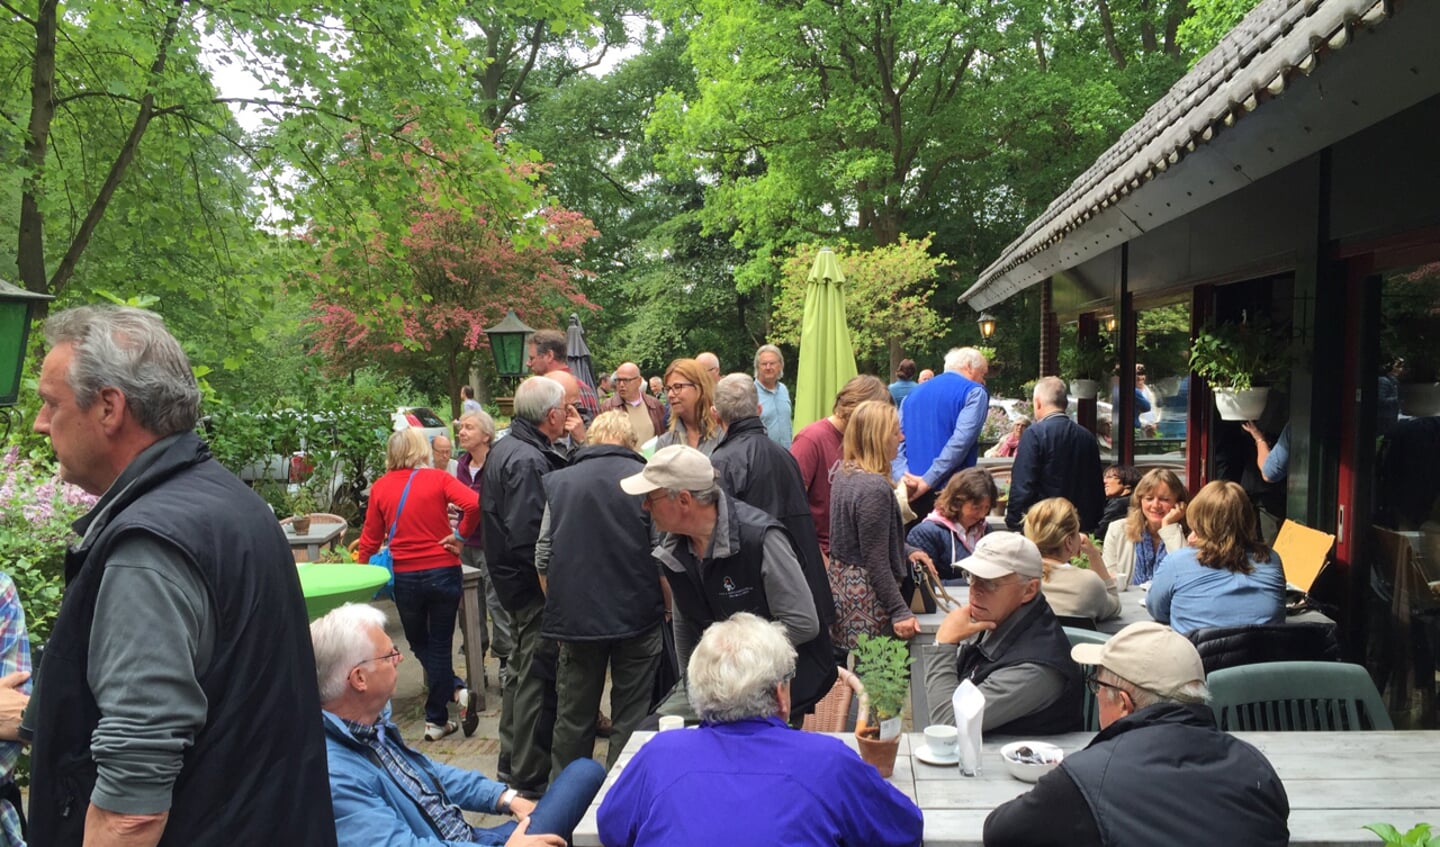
{"x": 941, "y": 419}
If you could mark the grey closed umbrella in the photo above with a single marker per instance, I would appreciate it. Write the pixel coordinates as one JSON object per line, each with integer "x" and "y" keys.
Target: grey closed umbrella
{"x": 577, "y": 352}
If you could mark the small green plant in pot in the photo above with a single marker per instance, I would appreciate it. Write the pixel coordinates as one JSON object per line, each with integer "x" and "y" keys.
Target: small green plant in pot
{"x": 883, "y": 666}
{"x": 1239, "y": 361}
{"x": 302, "y": 505}
{"x": 1418, "y": 836}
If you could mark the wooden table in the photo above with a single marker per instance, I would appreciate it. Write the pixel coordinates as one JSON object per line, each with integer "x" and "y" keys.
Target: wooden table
{"x": 1337, "y": 782}
{"x": 320, "y": 535}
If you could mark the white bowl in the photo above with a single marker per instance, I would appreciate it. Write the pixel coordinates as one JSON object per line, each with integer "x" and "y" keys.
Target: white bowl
{"x": 1028, "y": 771}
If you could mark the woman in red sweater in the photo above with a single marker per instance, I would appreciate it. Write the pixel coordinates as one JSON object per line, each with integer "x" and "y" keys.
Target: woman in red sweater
{"x": 427, "y": 572}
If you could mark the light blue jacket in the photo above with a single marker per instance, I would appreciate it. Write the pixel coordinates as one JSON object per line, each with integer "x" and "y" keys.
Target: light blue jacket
{"x": 372, "y": 809}
{"x": 1188, "y": 595}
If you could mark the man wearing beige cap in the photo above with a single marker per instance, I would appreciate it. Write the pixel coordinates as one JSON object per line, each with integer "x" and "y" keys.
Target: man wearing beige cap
{"x": 1007, "y": 641}
{"x": 1159, "y": 772}
{"x": 721, "y": 556}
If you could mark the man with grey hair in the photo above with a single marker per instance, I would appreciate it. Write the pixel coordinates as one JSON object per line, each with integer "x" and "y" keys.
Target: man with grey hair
{"x": 941, "y": 420}
{"x": 775, "y": 410}
{"x": 1056, "y": 458}
{"x": 1159, "y": 771}
{"x": 176, "y": 701}
{"x": 384, "y": 791}
{"x": 547, "y": 356}
{"x": 758, "y": 471}
{"x": 721, "y": 556}
{"x": 710, "y": 362}
{"x": 732, "y": 781}
{"x": 442, "y": 453}
{"x": 511, "y": 506}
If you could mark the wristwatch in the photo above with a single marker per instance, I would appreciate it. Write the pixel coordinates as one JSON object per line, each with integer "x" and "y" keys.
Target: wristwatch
{"x": 503, "y": 804}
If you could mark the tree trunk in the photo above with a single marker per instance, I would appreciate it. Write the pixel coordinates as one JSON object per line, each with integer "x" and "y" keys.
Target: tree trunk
{"x": 30, "y": 256}
{"x": 896, "y": 354}
{"x": 1107, "y": 25}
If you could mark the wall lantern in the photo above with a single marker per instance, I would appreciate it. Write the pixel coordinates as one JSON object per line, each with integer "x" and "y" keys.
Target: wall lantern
{"x": 17, "y": 306}
{"x": 1111, "y": 323}
{"x": 507, "y": 342}
{"x": 987, "y": 324}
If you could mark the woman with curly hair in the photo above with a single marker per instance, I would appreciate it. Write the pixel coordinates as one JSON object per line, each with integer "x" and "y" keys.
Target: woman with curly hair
{"x": 1227, "y": 576}
{"x": 1154, "y": 528}
{"x": 691, "y": 391}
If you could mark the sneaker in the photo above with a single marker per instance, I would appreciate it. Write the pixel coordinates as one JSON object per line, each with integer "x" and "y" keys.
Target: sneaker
{"x": 435, "y": 732}
{"x": 469, "y": 710}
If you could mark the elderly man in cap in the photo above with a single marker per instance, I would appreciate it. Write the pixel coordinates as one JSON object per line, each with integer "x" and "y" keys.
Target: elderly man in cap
{"x": 721, "y": 556}
{"x": 1007, "y": 641}
{"x": 734, "y": 780}
{"x": 1159, "y": 772}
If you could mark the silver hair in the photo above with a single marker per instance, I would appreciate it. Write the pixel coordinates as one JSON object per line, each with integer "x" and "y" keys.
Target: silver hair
{"x": 769, "y": 348}
{"x": 341, "y": 639}
{"x": 536, "y": 396}
{"x": 736, "y": 398}
{"x": 1190, "y": 693}
{"x": 1051, "y": 393}
{"x": 128, "y": 349}
{"x": 483, "y": 420}
{"x": 734, "y": 670}
{"x": 704, "y": 496}
{"x": 964, "y": 358}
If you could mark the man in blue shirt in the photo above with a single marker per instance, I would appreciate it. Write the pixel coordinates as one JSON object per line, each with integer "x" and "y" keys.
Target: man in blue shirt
{"x": 775, "y": 410}
{"x": 941, "y": 420}
{"x": 744, "y": 776}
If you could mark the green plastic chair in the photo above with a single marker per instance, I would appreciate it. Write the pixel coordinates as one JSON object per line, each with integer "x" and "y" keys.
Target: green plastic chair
{"x": 1297, "y": 697}
{"x": 1085, "y": 636}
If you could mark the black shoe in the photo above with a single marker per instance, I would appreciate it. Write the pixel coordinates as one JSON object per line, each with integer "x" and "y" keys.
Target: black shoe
{"x": 469, "y": 711}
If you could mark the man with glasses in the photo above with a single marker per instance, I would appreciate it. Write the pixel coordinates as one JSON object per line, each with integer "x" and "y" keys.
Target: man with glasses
{"x": 647, "y": 414}
{"x": 1007, "y": 641}
{"x": 383, "y": 791}
{"x": 1159, "y": 772}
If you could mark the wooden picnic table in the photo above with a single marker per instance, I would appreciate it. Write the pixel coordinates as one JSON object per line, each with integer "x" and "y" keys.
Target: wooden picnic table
{"x": 1336, "y": 781}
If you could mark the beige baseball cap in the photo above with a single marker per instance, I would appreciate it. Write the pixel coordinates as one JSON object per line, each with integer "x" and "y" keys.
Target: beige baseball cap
{"x": 678, "y": 467}
{"x": 1000, "y": 554}
{"x": 1150, "y": 655}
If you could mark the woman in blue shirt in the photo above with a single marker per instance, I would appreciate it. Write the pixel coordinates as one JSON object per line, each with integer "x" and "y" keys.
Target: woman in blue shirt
{"x": 1227, "y": 576}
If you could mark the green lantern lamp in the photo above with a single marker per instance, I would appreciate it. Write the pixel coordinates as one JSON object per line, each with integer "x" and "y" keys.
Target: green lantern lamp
{"x": 507, "y": 343}
{"x": 16, "y": 307}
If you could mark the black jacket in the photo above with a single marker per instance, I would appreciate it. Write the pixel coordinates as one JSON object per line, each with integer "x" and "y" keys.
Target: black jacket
{"x": 1038, "y": 639}
{"x": 256, "y": 772}
{"x": 1163, "y": 775}
{"x": 511, "y": 509}
{"x": 1057, "y": 458}
{"x": 603, "y": 582}
{"x": 756, "y": 470}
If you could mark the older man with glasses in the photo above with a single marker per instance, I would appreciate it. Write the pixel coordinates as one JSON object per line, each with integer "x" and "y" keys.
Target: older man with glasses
{"x": 1008, "y": 642}
{"x": 647, "y": 415}
{"x": 386, "y": 793}
{"x": 1159, "y": 772}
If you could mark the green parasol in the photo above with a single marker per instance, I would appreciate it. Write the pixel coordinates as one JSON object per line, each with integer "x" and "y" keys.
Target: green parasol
{"x": 827, "y": 360}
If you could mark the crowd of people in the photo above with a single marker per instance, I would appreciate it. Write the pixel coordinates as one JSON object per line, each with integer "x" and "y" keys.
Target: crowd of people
{"x": 722, "y": 581}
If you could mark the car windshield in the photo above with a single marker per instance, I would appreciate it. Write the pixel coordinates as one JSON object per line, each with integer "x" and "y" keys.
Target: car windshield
{"x": 423, "y": 417}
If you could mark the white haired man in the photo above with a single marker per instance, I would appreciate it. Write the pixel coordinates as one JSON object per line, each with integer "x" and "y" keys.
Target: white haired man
{"x": 734, "y": 780}
{"x": 383, "y": 791}
{"x": 775, "y": 409}
{"x": 1159, "y": 772}
{"x": 941, "y": 420}
{"x": 1056, "y": 457}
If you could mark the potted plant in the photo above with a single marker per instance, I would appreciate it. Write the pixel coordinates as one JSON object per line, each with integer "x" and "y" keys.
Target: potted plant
{"x": 883, "y": 666}
{"x": 302, "y": 505}
{"x": 1092, "y": 362}
{"x": 1238, "y": 361}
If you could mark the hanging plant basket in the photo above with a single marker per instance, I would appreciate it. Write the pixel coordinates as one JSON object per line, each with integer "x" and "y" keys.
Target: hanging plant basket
{"x": 1246, "y": 405}
{"x": 1085, "y": 389}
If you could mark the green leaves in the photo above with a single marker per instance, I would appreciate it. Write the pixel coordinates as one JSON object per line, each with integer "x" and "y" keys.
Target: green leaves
{"x": 1418, "y": 836}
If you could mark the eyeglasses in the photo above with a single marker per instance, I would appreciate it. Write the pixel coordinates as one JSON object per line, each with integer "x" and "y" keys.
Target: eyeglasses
{"x": 674, "y": 387}
{"x": 1094, "y": 683}
{"x": 990, "y": 586}
{"x": 392, "y": 656}
{"x": 627, "y": 378}
{"x": 652, "y": 496}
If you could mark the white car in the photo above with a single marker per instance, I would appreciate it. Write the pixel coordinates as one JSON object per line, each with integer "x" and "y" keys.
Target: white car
{"x": 420, "y": 418}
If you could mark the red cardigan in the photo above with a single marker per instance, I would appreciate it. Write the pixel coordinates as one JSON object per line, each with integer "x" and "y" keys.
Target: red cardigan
{"x": 424, "y": 521}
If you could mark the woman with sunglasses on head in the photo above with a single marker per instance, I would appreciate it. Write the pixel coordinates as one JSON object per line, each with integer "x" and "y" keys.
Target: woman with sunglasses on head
{"x": 1154, "y": 528}
{"x": 691, "y": 391}
{"x": 1119, "y": 482}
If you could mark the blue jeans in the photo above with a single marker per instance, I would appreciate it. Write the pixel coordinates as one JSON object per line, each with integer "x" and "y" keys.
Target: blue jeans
{"x": 428, "y": 602}
{"x": 560, "y": 809}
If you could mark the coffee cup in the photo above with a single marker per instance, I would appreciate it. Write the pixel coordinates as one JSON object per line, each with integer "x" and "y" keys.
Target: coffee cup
{"x": 671, "y": 722}
{"x": 941, "y": 739}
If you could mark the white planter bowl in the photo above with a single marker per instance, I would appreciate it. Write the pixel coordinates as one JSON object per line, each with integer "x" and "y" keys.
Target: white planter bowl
{"x": 1085, "y": 389}
{"x": 1420, "y": 399}
{"x": 1245, "y": 405}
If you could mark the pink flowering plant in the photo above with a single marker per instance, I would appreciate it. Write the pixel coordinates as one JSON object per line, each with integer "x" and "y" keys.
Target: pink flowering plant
{"x": 36, "y": 510}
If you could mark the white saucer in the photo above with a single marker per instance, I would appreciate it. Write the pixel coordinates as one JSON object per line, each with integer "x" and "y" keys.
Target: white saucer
{"x": 923, "y": 754}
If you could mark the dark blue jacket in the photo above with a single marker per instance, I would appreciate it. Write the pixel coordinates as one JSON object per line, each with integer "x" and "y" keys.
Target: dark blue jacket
{"x": 1057, "y": 458}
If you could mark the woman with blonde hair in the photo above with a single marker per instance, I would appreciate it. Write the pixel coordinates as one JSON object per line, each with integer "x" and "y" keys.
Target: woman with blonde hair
{"x": 867, "y": 538}
{"x": 409, "y": 511}
{"x": 1054, "y": 526}
{"x": 819, "y": 449}
{"x": 691, "y": 391}
{"x": 1227, "y": 576}
{"x": 1153, "y": 529}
